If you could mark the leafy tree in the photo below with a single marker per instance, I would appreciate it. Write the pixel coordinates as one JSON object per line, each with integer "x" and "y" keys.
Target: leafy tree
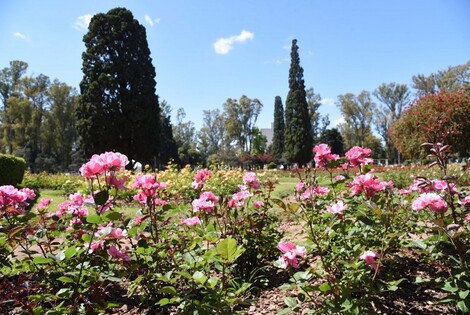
{"x": 259, "y": 142}
{"x": 454, "y": 78}
{"x": 118, "y": 108}
{"x": 298, "y": 138}
{"x": 36, "y": 90}
{"x": 314, "y": 103}
{"x": 358, "y": 113}
{"x": 59, "y": 135}
{"x": 186, "y": 140}
{"x": 213, "y": 140}
{"x": 240, "y": 120}
{"x": 10, "y": 86}
{"x": 277, "y": 148}
{"x": 442, "y": 117}
{"x": 393, "y": 97}
{"x": 168, "y": 146}
{"x": 333, "y": 138}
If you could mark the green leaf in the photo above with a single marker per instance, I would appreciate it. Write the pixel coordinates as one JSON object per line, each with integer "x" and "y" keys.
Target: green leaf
{"x": 393, "y": 285}
{"x": 101, "y": 197}
{"x": 366, "y": 220}
{"x": 65, "y": 279}
{"x": 94, "y": 218}
{"x": 325, "y": 287}
{"x": 168, "y": 290}
{"x": 212, "y": 282}
{"x": 291, "y": 302}
{"x": 86, "y": 238}
{"x": 200, "y": 277}
{"x": 463, "y": 294}
{"x": 463, "y": 306}
{"x": 227, "y": 248}
{"x": 163, "y": 301}
{"x": 112, "y": 216}
{"x": 70, "y": 252}
{"x": 41, "y": 260}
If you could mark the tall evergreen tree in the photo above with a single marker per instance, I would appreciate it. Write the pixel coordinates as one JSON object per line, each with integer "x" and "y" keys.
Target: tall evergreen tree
{"x": 118, "y": 109}
{"x": 279, "y": 127}
{"x": 298, "y": 139}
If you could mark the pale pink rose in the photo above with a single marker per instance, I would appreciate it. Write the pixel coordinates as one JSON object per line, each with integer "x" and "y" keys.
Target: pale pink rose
{"x": 118, "y": 233}
{"x": 431, "y": 200}
{"x": 300, "y": 186}
{"x": 94, "y": 246}
{"x": 191, "y": 221}
{"x": 206, "y": 202}
{"x": 337, "y": 208}
{"x": 339, "y": 177}
{"x": 251, "y": 180}
{"x": 291, "y": 253}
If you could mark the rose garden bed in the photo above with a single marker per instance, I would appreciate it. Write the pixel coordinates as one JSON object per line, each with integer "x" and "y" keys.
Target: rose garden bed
{"x": 221, "y": 242}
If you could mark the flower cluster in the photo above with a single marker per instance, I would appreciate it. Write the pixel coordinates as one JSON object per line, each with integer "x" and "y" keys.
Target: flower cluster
{"x": 358, "y": 156}
{"x": 290, "y": 254}
{"x": 323, "y": 155}
{"x": 200, "y": 177}
{"x": 206, "y": 202}
{"x": 238, "y": 198}
{"x": 369, "y": 184}
{"x": 251, "y": 180}
{"x": 314, "y": 191}
{"x": 102, "y": 163}
{"x": 13, "y": 200}
{"x": 431, "y": 200}
{"x": 149, "y": 187}
{"x": 191, "y": 221}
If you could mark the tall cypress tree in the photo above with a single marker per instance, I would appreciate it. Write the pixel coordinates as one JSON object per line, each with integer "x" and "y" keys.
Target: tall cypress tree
{"x": 279, "y": 127}
{"x": 118, "y": 108}
{"x": 298, "y": 140}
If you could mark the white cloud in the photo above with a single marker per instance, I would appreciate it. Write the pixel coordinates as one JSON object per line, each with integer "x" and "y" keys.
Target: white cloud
{"x": 19, "y": 35}
{"x": 222, "y": 46}
{"x": 338, "y": 121}
{"x": 151, "y": 21}
{"x": 82, "y": 22}
{"x": 328, "y": 102}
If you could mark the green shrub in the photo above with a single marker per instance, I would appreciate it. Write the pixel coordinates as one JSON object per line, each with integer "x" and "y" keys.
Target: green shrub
{"x": 12, "y": 169}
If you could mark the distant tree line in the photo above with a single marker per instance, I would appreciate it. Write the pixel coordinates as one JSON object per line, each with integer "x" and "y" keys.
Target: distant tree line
{"x": 54, "y": 127}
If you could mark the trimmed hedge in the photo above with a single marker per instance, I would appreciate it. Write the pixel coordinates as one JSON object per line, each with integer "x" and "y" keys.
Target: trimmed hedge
{"x": 12, "y": 169}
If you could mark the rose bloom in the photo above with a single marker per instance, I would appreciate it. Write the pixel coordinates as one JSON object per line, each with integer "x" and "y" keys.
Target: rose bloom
{"x": 191, "y": 221}
{"x": 359, "y": 156}
{"x": 291, "y": 253}
{"x": 431, "y": 200}
{"x": 251, "y": 180}
{"x": 323, "y": 155}
{"x": 258, "y": 204}
{"x": 114, "y": 252}
{"x": 369, "y": 257}
{"x": 337, "y": 208}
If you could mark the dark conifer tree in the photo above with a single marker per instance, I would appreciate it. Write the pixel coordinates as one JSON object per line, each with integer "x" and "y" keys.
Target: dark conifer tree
{"x": 298, "y": 140}
{"x": 118, "y": 108}
{"x": 279, "y": 127}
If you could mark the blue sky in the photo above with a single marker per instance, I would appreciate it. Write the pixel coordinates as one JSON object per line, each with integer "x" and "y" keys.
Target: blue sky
{"x": 207, "y": 51}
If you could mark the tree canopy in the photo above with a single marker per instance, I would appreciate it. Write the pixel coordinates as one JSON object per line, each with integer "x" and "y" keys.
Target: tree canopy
{"x": 118, "y": 108}
{"x": 443, "y": 117}
{"x": 298, "y": 137}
